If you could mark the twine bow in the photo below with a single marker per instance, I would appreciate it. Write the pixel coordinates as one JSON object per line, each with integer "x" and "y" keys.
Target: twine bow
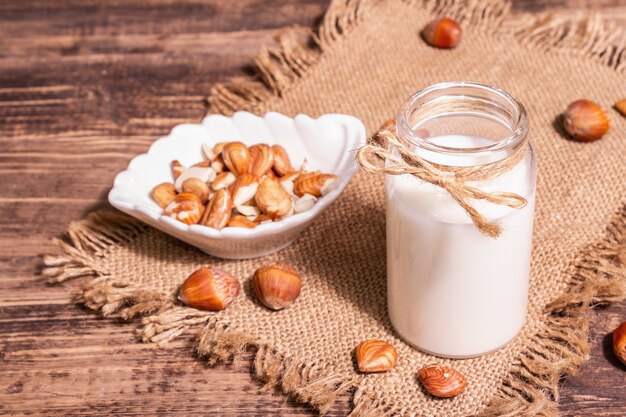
{"x": 452, "y": 179}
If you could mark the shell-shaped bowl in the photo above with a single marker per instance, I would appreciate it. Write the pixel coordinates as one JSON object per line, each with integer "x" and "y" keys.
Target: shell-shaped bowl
{"x": 327, "y": 143}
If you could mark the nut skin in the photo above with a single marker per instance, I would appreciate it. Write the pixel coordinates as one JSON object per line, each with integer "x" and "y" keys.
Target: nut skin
{"x": 218, "y": 164}
{"x": 276, "y": 285}
{"x": 209, "y": 289}
{"x": 239, "y": 220}
{"x": 203, "y": 164}
{"x": 198, "y": 187}
{"x": 236, "y": 157}
{"x": 376, "y": 356}
{"x": 272, "y": 199}
{"x": 282, "y": 164}
{"x": 443, "y": 33}
{"x": 218, "y": 148}
{"x": 186, "y": 207}
{"x": 261, "y": 159}
{"x": 177, "y": 168}
{"x": 585, "y": 121}
{"x": 223, "y": 180}
{"x": 619, "y": 342}
{"x": 244, "y": 188}
{"x": 218, "y": 210}
{"x": 164, "y": 194}
{"x": 442, "y": 381}
{"x": 313, "y": 183}
{"x": 620, "y": 106}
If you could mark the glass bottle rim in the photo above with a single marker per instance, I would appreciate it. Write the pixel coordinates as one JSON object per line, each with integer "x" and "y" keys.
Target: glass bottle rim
{"x": 518, "y": 123}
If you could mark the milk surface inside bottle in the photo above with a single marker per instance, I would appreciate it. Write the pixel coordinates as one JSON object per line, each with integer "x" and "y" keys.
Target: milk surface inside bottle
{"x": 452, "y": 290}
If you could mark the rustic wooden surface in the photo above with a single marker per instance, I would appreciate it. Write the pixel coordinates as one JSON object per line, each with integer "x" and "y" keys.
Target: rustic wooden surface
{"x": 84, "y": 86}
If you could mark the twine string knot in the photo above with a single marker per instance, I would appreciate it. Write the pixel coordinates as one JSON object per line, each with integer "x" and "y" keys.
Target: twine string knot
{"x": 399, "y": 159}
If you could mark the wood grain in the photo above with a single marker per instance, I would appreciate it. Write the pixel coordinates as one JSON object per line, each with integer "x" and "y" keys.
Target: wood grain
{"x": 84, "y": 86}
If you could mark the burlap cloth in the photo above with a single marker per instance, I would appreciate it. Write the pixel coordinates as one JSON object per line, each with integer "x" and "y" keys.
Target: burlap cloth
{"x": 365, "y": 60}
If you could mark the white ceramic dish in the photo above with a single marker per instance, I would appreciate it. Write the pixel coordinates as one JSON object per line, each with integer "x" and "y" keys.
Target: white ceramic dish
{"x": 328, "y": 143}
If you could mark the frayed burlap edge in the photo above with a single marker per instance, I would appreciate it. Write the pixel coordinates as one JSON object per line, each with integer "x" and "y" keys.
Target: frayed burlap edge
{"x": 597, "y": 275}
{"x": 278, "y": 67}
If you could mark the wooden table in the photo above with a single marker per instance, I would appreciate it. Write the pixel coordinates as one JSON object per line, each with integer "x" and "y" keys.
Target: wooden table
{"x": 84, "y": 86}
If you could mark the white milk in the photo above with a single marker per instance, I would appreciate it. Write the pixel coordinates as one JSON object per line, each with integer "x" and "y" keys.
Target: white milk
{"x": 453, "y": 291}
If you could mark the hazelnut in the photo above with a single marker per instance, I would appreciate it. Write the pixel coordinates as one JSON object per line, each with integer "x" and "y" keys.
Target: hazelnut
{"x": 186, "y": 207}
{"x": 442, "y": 381}
{"x": 585, "y": 121}
{"x": 223, "y": 180}
{"x": 304, "y": 203}
{"x": 164, "y": 193}
{"x": 244, "y": 188}
{"x": 198, "y": 187}
{"x": 218, "y": 210}
{"x": 271, "y": 198}
{"x": 236, "y": 157}
{"x": 204, "y": 174}
{"x": 316, "y": 184}
{"x": 282, "y": 164}
{"x": 619, "y": 342}
{"x": 239, "y": 220}
{"x": 443, "y": 33}
{"x": 209, "y": 289}
{"x": 261, "y": 159}
{"x": 276, "y": 285}
{"x": 376, "y": 356}
{"x": 620, "y": 106}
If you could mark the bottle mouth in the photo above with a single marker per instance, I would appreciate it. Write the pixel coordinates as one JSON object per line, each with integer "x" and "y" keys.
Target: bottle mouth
{"x": 467, "y": 109}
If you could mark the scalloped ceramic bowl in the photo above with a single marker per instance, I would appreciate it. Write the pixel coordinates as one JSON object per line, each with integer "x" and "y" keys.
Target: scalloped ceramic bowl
{"x": 327, "y": 143}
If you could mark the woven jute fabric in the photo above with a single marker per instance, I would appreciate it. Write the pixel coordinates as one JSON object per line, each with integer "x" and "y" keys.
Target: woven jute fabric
{"x": 365, "y": 59}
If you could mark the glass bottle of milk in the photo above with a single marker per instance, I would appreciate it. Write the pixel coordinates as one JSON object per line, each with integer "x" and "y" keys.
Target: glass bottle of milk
{"x": 453, "y": 291}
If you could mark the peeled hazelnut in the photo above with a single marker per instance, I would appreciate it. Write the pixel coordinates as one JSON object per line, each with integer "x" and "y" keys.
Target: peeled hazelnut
{"x": 304, "y": 203}
{"x": 244, "y": 188}
{"x": 271, "y": 198}
{"x": 276, "y": 285}
{"x": 223, "y": 180}
{"x": 208, "y": 152}
{"x": 164, "y": 193}
{"x": 261, "y": 159}
{"x": 236, "y": 157}
{"x": 177, "y": 168}
{"x": 204, "y": 174}
{"x": 619, "y": 342}
{"x": 218, "y": 164}
{"x": 585, "y": 121}
{"x": 217, "y": 212}
{"x": 251, "y": 212}
{"x": 282, "y": 164}
{"x": 620, "y": 106}
{"x": 209, "y": 289}
{"x": 443, "y": 33}
{"x": 376, "y": 356}
{"x": 198, "y": 187}
{"x": 314, "y": 183}
{"x": 186, "y": 207}
{"x": 239, "y": 220}
{"x": 442, "y": 381}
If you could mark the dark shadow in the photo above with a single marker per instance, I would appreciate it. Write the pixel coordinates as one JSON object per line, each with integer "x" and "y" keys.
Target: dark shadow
{"x": 557, "y": 124}
{"x": 607, "y": 351}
